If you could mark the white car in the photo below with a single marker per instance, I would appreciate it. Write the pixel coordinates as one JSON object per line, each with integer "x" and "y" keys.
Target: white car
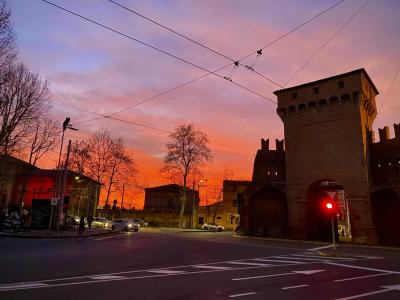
{"x": 125, "y": 224}
{"x": 215, "y": 227}
{"x": 100, "y": 222}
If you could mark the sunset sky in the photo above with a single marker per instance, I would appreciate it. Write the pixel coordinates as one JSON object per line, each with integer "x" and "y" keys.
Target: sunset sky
{"x": 98, "y": 70}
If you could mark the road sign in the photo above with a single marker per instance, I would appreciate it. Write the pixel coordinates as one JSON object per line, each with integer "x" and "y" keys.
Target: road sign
{"x": 54, "y": 201}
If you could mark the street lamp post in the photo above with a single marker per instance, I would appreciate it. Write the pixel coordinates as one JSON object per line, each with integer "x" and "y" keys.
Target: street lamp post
{"x": 57, "y": 186}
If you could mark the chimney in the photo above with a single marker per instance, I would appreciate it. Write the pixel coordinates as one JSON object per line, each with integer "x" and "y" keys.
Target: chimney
{"x": 384, "y": 134}
{"x": 264, "y": 144}
{"x": 279, "y": 145}
{"x": 397, "y": 131}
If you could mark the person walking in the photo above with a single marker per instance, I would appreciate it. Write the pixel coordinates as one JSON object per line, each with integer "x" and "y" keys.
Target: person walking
{"x": 89, "y": 221}
{"x": 81, "y": 227}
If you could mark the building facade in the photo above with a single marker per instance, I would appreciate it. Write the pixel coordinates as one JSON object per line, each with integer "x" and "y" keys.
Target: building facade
{"x": 329, "y": 151}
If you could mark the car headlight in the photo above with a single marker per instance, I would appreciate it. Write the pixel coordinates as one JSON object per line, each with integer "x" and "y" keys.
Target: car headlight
{"x": 106, "y": 225}
{"x": 129, "y": 225}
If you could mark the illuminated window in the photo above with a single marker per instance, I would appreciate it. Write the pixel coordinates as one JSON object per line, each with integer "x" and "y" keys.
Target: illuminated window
{"x": 268, "y": 173}
{"x": 390, "y": 164}
{"x": 276, "y": 173}
{"x": 379, "y": 165}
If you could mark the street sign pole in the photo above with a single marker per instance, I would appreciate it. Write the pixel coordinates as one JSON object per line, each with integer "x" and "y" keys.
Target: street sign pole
{"x": 333, "y": 233}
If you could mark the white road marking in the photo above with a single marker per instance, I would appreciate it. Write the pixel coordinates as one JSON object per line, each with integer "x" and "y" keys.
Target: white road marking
{"x": 306, "y": 272}
{"x": 241, "y": 295}
{"x": 294, "y": 287}
{"x": 105, "y": 277}
{"x": 167, "y": 272}
{"x": 21, "y": 286}
{"x": 278, "y": 260}
{"x": 361, "y": 268}
{"x": 319, "y": 248}
{"x": 322, "y": 257}
{"x": 213, "y": 267}
{"x": 364, "y": 295}
{"x": 248, "y": 263}
{"x": 361, "y": 277}
{"x": 303, "y": 258}
{"x": 109, "y": 237}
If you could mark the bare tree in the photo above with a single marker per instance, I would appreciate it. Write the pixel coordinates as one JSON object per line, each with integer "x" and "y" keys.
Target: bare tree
{"x": 22, "y": 103}
{"x": 43, "y": 137}
{"x": 187, "y": 151}
{"x": 120, "y": 164}
{"x": 80, "y": 157}
{"x": 8, "y": 49}
{"x": 100, "y": 155}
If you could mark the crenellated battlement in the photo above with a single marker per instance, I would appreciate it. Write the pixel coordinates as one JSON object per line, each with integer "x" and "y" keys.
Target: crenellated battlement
{"x": 349, "y": 88}
{"x": 384, "y": 134}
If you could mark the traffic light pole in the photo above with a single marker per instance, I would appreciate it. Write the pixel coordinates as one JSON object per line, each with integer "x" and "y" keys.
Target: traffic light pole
{"x": 333, "y": 234}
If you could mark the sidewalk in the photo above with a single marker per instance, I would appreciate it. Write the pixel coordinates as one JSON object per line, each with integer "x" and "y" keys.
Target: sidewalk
{"x": 44, "y": 234}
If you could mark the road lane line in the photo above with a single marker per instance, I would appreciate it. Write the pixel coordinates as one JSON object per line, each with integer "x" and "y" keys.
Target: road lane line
{"x": 303, "y": 258}
{"x": 102, "y": 277}
{"x": 110, "y": 237}
{"x": 361, "y": 277}
{"x": 21, "y": 286}
{"x": 248, "y": 263}
{"x": 364, "y": 295}
{"x": 294, "y": 287}
{"x": 243, "y": 294}
{"x": 167, "y": 272}
{"x": 213, "y": 267}
{"x": 278, "y": 260}
{"x": 323, "y": 257}
{"x": 262, "y": 276}
{"x": 361, "y": 268}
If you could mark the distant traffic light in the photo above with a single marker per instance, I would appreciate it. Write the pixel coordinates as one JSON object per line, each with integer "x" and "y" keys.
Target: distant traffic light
{"x": 329, "y": 206}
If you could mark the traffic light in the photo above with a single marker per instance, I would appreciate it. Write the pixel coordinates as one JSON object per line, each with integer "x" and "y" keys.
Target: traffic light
{"x": 329, "y": 206}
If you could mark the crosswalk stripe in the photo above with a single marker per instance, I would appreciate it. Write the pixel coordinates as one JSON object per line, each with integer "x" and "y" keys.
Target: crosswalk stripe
{"x": 303, "y": 258}
{"x": 21, "y": 286}
{"x": 322, "y": 257}
{"x": 213, "y": 267}
{"x": 279, "y": 260}
{"x": 105, "y": 277}
{"x": 168, "y": 272}
{"x": 248, "y": 263}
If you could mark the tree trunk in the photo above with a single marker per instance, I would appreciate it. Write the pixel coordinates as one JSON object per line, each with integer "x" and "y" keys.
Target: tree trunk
{"x": 183, "y": 202}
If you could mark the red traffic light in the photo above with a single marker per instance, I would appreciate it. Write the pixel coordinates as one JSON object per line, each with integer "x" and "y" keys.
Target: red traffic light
{"x": 329, "y": 206}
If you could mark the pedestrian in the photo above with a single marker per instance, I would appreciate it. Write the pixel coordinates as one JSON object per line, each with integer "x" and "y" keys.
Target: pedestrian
{"x": 81, "y": 227}
{"x": 89, "y": 221}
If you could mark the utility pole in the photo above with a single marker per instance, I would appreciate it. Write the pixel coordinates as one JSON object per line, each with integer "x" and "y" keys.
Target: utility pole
{"x": 62, "y": 189}
{"x": 122, "y": 200}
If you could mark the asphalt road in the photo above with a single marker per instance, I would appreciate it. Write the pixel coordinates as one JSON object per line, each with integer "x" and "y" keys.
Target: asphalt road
{"x": 198, "y": 265}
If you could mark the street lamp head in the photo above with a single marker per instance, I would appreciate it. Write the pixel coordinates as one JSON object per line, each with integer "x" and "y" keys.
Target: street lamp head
{"x": 65, "y": 124}
{"x": 77, "y": 177}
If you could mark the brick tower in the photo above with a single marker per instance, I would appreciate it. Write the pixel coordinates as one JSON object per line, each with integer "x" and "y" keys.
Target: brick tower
{"x": 328, "y": 126}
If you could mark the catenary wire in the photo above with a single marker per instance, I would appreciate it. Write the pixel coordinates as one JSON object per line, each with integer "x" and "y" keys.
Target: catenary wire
{"x": 302, "y": 67}
{"x": 156, "y": 49}
{"x": 390, "y": 89}
{"x": 216, "y": 70}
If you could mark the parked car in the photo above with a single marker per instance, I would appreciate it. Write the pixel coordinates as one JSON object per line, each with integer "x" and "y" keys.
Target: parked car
{"x": 215, "y": 227}
{"x": 100, "y": 222}
{"x": 125, "y": 224}
{"x": 140, "y": 222}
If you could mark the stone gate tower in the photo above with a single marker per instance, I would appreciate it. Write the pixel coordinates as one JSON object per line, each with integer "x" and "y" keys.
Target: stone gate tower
{"x": 328, "y": 130}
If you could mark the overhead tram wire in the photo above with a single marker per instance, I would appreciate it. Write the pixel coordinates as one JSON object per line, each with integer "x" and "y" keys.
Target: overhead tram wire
{"x": 103, "y": 116}
{"x": 236, "y": 62}
{"x": 218, "y": 69}
{"x": 183, "y": 60}
{"x": 327, "y": 42}
{"x": 302, "y": 67}
{"x": 390, "y": 89}
{"x": 156, "y": 49}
